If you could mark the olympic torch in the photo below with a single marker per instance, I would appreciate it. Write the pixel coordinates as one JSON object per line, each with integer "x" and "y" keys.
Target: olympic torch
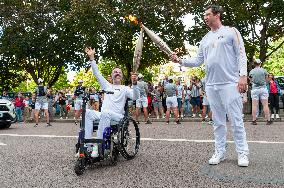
{"x": 158, "y": 41}
{"x": 154, "y": 37}
{"x": 138, "y": 51}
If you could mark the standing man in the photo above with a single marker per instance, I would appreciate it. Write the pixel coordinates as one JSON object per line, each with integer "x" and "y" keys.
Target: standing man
{"x": 259, "y": 91}
{"x": 180, "y": 98}
{"x": 195, "y": 95}
{"x": 171, "y": 101}
{"x": 222, "y": 50}
{"x": 78, "y": 96}
{"x": 142, "y": 101}
{"x": 41, "y": 102}
{"x": 206, "y": 106}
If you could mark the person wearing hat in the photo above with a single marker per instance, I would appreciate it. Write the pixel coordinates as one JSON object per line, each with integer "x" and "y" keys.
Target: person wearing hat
{"x": 113, "y": 103}
{"x": 142, "y": 101}
{"x": 41, "y": 102}
{"x": 78, "y": 99}
{"x": 259, "y": 91}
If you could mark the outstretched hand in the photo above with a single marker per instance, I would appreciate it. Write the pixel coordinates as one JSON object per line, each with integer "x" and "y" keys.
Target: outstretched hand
{"x": 134, "y": 78}
{"x": 90, "y": 52}
{"x": 174, "y": 58}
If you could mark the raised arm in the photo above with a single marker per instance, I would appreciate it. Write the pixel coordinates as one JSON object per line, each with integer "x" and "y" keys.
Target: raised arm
{"x": 102, "y": 81}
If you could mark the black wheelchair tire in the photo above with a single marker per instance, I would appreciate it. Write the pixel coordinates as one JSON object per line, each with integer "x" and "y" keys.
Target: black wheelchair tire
{"x": 123, "y": 149}
{"x": 80, "y": 166}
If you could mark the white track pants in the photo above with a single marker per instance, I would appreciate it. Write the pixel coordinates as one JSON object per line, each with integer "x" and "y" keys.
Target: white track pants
{"x": 104, "y": 117}
{"x": 226, "y": 99}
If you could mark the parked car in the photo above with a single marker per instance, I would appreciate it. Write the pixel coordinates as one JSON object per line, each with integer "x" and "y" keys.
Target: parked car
{"x": 7, "y": 113}
{"x": 280, "y": 80}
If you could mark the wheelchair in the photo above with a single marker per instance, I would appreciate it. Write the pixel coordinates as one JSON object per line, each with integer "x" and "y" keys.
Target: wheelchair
{"x": 120, "y": 138}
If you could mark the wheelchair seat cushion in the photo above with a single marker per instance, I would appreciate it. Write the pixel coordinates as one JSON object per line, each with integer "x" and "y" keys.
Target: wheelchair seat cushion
{"x": 112, "y": 122}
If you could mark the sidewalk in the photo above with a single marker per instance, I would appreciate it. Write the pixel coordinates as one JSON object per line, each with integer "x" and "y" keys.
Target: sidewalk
{"x": 247, "y": 118}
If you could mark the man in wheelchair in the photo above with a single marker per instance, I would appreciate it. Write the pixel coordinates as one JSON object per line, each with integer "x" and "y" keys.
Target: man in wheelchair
{"x": 113, "y": 103}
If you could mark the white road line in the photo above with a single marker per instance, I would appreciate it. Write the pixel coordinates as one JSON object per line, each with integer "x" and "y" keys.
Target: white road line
{"x": 144, "y": 139}
{"x": 42, "y": 136}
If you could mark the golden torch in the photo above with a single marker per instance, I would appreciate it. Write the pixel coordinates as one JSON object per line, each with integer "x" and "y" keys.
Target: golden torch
{"x": 154, "y": 37}
{"x": 138, "y": 51}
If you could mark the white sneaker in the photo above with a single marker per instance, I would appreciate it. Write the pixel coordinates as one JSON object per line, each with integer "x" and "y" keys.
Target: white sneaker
{"x": 277, "y": 116}
{"x": 61, "y": 117}
{"x": 182, "y": 116}
{"x": 243, "y": 160}
{"x": 272, "y": 116}
{"x": 206, "y": 116}
{"x": 216, "y": 158}
{"x": 199, "y": 115}
{"x": 158, "y": 117}
{"x": 193, "y": 115}
{"x": 77, "y": 155}
{"x": 211, "y": 122}
{"x": 66, "y": 118}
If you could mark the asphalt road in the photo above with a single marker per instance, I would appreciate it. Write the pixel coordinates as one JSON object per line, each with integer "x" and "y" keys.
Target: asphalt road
{"x": 170, "y": 156}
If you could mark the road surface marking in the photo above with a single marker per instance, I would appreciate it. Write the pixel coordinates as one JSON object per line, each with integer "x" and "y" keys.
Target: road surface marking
{"x": 144, "y": 139}
{"x": 2, "y": 144}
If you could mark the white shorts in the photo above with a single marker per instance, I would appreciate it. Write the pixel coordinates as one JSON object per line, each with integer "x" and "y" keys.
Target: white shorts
{"x": 171, "y": 102}
{"x": 259, "y": 93}
{"x": 78, "y": 104}
{"x": 205, "y": 101}
{"x": 143, "y": 101}
{"x": 41, "y": 105}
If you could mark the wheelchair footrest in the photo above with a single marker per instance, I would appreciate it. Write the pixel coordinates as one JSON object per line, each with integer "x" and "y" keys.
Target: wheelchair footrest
{"x": 93, "y": 141}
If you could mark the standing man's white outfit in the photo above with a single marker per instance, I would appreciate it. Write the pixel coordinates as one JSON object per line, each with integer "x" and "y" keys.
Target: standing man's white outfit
{"x": 113, "y": 104}
{"x": 222, "y": 50}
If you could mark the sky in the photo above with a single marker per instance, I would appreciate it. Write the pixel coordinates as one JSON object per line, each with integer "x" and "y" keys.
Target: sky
{"x": 187, "y": 21}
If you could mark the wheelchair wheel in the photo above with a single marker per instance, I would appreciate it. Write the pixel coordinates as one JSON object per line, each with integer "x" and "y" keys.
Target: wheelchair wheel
{"x": 80, "y": 166}
{"x": 129, "y": 138}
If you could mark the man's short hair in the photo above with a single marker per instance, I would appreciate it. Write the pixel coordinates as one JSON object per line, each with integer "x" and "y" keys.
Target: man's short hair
{"x": 216, "y": 9}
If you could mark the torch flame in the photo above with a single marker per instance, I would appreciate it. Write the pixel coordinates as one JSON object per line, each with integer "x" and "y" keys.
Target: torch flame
{"x": 133, "y": 19}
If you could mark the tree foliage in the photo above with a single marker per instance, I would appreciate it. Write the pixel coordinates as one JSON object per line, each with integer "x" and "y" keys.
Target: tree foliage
{"x": 275, "y": 63}
{"x": 260, "y": 22}
{"x": 43, "y": 38}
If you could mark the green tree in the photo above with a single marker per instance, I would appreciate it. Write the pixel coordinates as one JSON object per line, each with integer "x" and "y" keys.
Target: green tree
{"x": 275, "y": 63}
{"x": 247, "y": 16}
{"x": 62, "y": 82}
{"x": 38, "y": 38}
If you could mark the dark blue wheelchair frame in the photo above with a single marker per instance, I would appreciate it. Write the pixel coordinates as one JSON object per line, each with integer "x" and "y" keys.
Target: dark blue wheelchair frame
{"x": 110, "y": 147}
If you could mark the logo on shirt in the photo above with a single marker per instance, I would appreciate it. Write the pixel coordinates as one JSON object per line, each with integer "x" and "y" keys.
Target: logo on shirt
{"x": 220, "y": 37}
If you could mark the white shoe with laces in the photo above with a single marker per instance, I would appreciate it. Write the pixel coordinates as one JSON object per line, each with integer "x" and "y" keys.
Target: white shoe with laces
{"x": 216, "y": 158}
{"x": 243, "y": 160}
{"x": 272, "y": 116}
{"x": 277, "y": 116}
